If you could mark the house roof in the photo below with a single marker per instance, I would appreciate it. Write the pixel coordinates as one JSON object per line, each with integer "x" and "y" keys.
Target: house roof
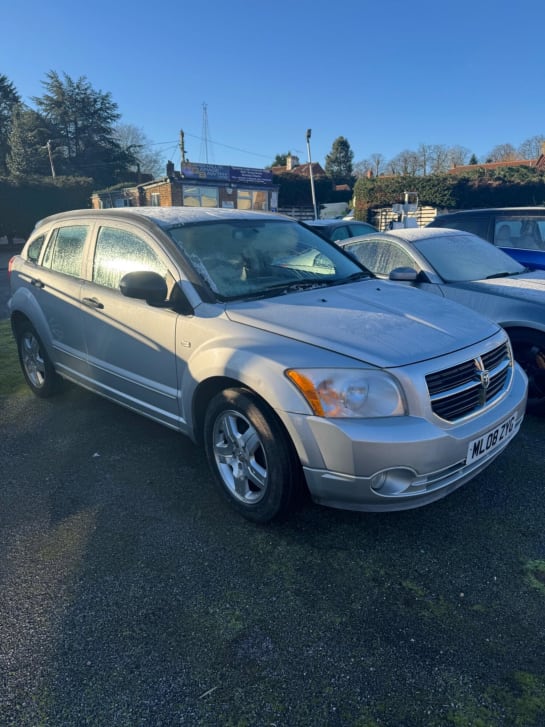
{"x": 301, "y": 170}
{"x": 538, "y": 163}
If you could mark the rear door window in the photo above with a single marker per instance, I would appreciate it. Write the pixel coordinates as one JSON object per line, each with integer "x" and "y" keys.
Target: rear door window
{"x": 64, "y": 253}
{"x": 524, "y": 232}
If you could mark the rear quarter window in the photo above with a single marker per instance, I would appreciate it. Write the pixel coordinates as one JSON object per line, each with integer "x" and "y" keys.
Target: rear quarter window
{"x": 34, "y": 249}
{"x": 64, "y": 252}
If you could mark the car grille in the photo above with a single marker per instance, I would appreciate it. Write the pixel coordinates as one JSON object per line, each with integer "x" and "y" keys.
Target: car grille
{"x": 464, "y": 389}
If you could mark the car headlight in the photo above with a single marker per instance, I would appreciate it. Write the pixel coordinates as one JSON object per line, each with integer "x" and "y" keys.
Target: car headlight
{"x": 349, "y": 392}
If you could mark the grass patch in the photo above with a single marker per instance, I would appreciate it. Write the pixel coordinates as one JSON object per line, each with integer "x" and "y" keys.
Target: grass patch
{"x": 11, "y": 378}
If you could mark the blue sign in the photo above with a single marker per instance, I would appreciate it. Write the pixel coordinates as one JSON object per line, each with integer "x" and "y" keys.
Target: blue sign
{"x": 251, "y": 176}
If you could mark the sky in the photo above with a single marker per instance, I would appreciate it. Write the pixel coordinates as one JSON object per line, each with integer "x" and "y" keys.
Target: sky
{"x": 245, "y": 79}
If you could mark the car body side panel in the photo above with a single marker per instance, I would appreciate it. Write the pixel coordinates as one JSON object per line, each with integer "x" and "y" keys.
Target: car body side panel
{"x": 131, "y": 349}
{"x": 51, "y": 301}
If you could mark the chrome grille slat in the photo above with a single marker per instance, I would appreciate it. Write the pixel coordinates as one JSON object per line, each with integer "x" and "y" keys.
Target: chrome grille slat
{"x": 459, "y": 391}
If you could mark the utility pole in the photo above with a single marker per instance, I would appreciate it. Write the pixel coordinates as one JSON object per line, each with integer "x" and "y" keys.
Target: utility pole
{"x": 182, "y": 146}
{"x": 309, "y": 132}
{"x": 48, "y": 147}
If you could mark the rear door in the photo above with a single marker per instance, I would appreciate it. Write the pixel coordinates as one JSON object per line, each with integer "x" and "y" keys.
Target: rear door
{"x": 130, "y": 344}
{"x": 54, "y": 276}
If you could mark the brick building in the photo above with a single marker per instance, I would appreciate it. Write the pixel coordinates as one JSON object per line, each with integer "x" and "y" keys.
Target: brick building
{"x": 199, "y": 185}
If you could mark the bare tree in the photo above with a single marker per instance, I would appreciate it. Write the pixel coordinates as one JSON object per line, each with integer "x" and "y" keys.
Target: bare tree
{"x": 406, "y": 163}
{"x": 459, "y": 156}
{"x": 440, "y": 159}
{"x": 133, "y": 139}
{"x": 532, "y": 148}
{"x": 425, "y": 158}
{"x": 362, "y": 168}
{"x": 502, "y": 153}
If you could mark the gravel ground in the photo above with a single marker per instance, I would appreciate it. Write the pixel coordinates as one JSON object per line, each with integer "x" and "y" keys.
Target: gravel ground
{"x": 131, "y": 595}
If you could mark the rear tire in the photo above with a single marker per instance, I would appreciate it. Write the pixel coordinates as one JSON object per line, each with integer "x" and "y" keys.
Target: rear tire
{"x": 37, "y": 368}
{"x": 529, "y": 352}
{"x": 251, "y": 455}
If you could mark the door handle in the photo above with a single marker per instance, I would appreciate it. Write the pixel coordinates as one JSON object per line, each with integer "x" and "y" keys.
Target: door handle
{"x": 36, "y": 282}
{"x": 93, "y": 303}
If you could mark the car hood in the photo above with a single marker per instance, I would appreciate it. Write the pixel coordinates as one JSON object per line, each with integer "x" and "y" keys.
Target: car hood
{"x": 526, "y": 286}
{"x": 381, "y": 323}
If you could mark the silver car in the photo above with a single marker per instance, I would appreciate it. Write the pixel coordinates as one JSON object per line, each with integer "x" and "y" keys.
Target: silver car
{"x": 250, "y": 333}
{"x": 465, "y": 268}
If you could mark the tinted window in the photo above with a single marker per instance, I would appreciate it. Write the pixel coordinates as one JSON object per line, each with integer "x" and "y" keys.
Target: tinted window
{"x": 476, "y": 225}
{"x": 338, "y": 233}
{"x": 65, "y": 250}
{"x": 360, "y": 228}
{"x": 520, "y": 231}
{"x": 118, "y": 252}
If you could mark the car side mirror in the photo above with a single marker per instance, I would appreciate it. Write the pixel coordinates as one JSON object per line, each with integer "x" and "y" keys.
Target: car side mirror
{"x": 404, "y": 274}
{"x": 144, "y": 285}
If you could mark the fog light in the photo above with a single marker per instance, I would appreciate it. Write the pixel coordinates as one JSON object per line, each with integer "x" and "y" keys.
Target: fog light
{"x": 396, "y": 482}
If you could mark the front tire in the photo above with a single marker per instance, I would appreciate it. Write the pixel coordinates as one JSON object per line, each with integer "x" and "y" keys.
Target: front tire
{"x": 37, "y": 368}
{"x": 529, "y": 352}
{"x": 251, "y": 455}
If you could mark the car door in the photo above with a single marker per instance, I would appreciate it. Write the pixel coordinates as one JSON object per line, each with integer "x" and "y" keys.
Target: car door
{"x": 55, "y": 278}
{"x": 130, "y": 344}
{"x": 381, "y": 256}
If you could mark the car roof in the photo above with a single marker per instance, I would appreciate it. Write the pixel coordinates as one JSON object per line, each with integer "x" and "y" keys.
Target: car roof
{"x": 488, "y": 210}
{"x": 165, "y": 217}
{"x": 325, "y": 223}
{"x": 409, "y": 234}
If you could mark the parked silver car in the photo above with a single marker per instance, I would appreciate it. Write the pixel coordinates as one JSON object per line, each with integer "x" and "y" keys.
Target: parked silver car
{"x": 465, "y": 268}
{"x": 289, "y": 372}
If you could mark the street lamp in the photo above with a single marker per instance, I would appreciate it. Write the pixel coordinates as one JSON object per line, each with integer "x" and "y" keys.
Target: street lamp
{"x": 309, "y": 132}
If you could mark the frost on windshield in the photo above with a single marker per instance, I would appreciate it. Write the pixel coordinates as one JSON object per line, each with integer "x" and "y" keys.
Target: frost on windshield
{"x": 466, "y": 257}
{"x": 247, "y": 257}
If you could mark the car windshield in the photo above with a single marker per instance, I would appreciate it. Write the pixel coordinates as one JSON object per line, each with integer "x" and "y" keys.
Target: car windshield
{"x": 459, "y": 258}
{"x": 248, "y": 258}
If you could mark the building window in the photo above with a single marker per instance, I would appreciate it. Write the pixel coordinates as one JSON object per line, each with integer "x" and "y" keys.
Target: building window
{"x": 195, "y": 196}
{"x": 155, "y": 199}
{"x": 252, "y": 199}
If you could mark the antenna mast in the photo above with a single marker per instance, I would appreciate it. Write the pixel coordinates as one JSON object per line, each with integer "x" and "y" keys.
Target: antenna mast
{"x": 205, "y": 135}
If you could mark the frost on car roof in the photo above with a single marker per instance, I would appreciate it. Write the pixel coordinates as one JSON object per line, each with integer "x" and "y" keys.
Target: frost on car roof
{"x": 414, "y": 234}
{"x": 166, "y": 217}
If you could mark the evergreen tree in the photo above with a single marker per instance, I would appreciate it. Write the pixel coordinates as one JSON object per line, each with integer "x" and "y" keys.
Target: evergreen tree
{"x": 281, "y": 160}
{"x": 83, "y": 121}
{"x": 28, "y": 154}
{"x": 338, "y": 163}
{"x": 9, "y": 98}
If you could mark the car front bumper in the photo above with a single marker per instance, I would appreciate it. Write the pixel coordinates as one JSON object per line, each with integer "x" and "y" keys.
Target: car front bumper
{"x": 402, "y": 463}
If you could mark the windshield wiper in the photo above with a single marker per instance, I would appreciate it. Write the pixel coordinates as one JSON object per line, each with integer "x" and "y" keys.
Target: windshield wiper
{"x": 362, "y": 275}
{"x": 300, "y": 284}
{"x": 499, "y": 275}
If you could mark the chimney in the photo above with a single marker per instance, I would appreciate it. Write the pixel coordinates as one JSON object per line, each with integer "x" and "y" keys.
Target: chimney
{"x": 291, "y": 162}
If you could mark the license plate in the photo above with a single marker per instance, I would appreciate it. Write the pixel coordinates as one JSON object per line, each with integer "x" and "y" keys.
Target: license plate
{"x": 491, "y": 440}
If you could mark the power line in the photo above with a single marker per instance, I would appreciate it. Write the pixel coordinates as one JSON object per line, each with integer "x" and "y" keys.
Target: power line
{"x": 217, "y": 143}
